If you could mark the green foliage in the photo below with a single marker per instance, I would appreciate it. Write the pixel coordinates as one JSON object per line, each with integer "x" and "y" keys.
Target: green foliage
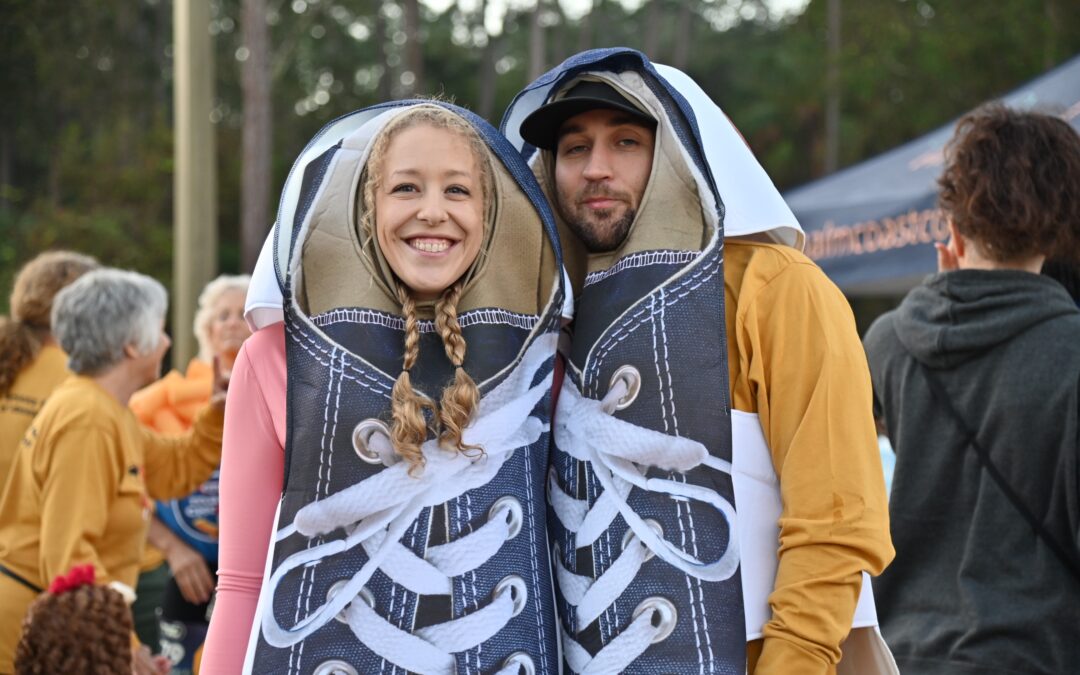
{"x": 85, "y": 128}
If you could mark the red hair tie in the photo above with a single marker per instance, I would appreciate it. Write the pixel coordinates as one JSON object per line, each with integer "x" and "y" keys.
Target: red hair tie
{"x": 80, "y": 575}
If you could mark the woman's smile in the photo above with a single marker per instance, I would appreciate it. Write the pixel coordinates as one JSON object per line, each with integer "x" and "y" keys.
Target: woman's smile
{"x": 429, "y": 213}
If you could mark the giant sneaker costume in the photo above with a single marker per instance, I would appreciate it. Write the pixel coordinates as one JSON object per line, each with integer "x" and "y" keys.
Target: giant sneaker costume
{"x": 373, "y": 569}
{"x": 663, "y": 500}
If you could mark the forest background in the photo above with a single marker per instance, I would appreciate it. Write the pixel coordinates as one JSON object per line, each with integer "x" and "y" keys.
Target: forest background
{"x": 86, "y": 119}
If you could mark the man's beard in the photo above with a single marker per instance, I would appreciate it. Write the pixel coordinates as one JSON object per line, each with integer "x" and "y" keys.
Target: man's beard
{"x": 599, "y": 233}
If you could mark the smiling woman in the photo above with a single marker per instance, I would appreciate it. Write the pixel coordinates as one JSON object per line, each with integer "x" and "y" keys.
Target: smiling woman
{"x": 427, "y": 186}
{"x": 397, "y": 496}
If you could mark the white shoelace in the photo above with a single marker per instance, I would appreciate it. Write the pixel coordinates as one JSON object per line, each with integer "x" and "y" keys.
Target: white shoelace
{"x": 586, "y": 430}
{"x": 376, "y": 512}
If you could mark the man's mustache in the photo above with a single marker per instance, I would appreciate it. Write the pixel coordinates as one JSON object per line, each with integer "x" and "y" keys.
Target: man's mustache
{"x": 595, "y": 190}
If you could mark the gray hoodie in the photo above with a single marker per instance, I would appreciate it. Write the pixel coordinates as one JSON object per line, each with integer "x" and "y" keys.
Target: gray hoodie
{"x": 973, "y": 590}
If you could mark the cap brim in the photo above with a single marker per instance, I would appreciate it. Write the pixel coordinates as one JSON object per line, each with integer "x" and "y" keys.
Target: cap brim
{"x": 541, "y": 127}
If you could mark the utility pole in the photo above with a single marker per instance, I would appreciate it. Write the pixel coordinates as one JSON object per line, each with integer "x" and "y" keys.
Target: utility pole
{"x": 195, "y": 232}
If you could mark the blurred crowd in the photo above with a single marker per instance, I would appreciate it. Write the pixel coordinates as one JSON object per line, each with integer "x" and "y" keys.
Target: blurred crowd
{"x": 83, "y": 404}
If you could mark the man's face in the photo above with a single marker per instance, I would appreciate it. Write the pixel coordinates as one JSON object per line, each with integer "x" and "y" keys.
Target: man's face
{"x": 602, "y": 165}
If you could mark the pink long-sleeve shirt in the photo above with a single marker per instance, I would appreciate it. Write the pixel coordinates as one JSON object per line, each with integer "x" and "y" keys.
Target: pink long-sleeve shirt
{"x": 252, "y": 473}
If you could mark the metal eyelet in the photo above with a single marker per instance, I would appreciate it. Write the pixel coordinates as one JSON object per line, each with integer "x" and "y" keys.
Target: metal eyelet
{"x": 335, "y": 667}
{"x": 525, "y": 664}
{"x": 507, "y": 505}
{"x": 630, "y": 377}
{"x": 519, "y": 593}
{"x": 361, "y": 439}
{"x": 664, "y": 616}
{"x": 654, "y": 526}
{"x": 364, "y": 595}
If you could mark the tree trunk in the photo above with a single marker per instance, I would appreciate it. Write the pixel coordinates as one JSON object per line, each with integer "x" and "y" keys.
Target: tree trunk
{"x": 832, "y": 90}
{"x": 486, "y": 99}
{"x": 651, "y": 30}
{"x": 1053, "y": 29}
{"x": 585, "y": 40}
{"x": 382, "y": 35}
{"x": 5, "y": 169}
{"x": 681, "y": 54}
{"x": 537, "y": 65}
{"x": 255, "y": 217}
{"x": 414, "y": 52}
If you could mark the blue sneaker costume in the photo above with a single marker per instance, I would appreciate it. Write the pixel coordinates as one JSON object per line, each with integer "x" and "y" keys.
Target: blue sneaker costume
{"x": 372, "y": 569}
{"x": 663, "y": 504}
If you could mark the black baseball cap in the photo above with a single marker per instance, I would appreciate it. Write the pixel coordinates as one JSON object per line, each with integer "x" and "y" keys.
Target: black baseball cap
{"x": 541, "y": 127}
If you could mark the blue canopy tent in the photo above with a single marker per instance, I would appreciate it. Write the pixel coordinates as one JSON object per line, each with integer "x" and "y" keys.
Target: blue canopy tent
{"x": 872, "y": 227}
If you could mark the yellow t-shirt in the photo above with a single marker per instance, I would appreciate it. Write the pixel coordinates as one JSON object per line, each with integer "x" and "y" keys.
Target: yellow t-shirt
{"x": 80, "y": 491}
{"x": 18, "y": 407}
{"x": 795, "y": 360}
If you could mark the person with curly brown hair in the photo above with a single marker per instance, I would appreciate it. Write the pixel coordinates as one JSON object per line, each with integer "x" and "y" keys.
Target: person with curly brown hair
{"x": 32, "y": 364}
{"x": 977, "y": 378}
{"x": 76, "y": 627}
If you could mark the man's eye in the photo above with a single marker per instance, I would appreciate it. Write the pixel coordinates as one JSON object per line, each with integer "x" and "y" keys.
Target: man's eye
{"x": 629, "y": 142}
{"x": 574, "y": 149}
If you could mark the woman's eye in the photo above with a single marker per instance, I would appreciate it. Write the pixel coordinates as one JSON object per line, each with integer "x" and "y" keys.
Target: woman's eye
{"x": 573, "y": 150}
{"x": 403, "y": 187}
{"x": 458, "y": 190}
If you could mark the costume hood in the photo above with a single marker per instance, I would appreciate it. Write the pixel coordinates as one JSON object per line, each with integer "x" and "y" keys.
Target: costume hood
{"x": 695, "y": 138}
{"x": 516, "y": 271}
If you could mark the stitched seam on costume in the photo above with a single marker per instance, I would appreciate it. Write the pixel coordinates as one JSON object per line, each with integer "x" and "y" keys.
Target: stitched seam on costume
{"x": 656, "y": 363}
{"x": 477, "y": 317}
{"x": 455, "y": 520}
{"x": 643, "y": 259}
{"x": 377, "y": 387}
{"x": 634, "y": 321}
{"x": 667, "y": 362}
{"x": 689, "y": 587}
{"x": 472, "y": 573}
{"x": 303, "y": 595}
{"x": 534, "y": 558}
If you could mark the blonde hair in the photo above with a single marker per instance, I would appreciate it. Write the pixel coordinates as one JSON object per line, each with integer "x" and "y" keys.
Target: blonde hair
{"x": 36, "y": 284}
{"x": 409, "y": 427}
{"x": 204, "y": 315}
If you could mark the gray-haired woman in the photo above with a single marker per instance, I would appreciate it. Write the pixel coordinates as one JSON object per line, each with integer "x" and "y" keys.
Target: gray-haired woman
{"x": 82, "y": 479}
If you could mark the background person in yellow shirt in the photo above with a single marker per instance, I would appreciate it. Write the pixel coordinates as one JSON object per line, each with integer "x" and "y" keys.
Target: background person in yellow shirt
{"x": 85, "y": 471}
{"x": 183, "y": 532}
{"x": 31, "y": 363}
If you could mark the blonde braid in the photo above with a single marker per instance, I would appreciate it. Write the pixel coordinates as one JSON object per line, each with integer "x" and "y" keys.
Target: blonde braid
{"x": 461, "y": 397}
{"x": 408, "y": 429}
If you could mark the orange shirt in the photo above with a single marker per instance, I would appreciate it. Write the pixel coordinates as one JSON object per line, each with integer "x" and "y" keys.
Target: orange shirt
{"x": 169, "y": 406}
{"x": 796, "y": 361}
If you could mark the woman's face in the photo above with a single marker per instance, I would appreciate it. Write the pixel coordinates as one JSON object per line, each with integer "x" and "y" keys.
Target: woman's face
{"x": 228, "y": 330}
{"x": 429, "y": 210}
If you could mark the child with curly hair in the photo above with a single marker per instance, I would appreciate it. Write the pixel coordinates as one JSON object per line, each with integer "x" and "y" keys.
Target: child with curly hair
{"x": 77, "y": 627}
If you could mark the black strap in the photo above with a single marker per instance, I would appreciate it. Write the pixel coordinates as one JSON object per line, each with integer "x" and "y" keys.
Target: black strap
{"x": 1067, "y": 556}
{"x": 11, "y": 575}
